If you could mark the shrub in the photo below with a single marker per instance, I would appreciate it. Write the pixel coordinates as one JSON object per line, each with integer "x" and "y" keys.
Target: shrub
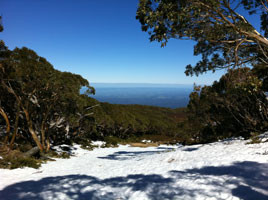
{"x": 233, "y": 106}
{"x": 111, "y": 141}
{"x": 254, "y": 139}
{"x": 15, "y": 160}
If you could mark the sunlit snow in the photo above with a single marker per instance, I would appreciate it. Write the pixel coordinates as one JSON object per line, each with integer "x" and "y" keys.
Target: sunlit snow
{"x": 228, "y": 169}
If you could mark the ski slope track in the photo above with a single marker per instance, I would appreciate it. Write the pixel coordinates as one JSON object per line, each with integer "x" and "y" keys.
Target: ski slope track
{"x": 229, "y": 169}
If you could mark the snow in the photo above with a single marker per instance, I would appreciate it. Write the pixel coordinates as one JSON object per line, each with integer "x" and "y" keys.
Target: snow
{"x": 146, "y": 141}
{"x": 263, "y": 137}
{"x": 229, "y": 169}
{"x": 98, "y": 143}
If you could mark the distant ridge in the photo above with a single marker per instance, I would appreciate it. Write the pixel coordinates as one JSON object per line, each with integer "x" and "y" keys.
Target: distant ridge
{"x": 162, "y": 95}
{"x": 137, "y": 85}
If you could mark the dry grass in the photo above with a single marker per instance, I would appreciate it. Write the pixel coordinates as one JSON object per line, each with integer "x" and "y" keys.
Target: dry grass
{"x": 14, "y": 159}
{"x": 144, "y": 145}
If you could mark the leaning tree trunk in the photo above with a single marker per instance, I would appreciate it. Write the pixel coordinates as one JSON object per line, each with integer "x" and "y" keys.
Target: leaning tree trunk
{"x": 15, "y": 129}
{"x": 31, "y": 152}
{"x": 29, "y": 121}
{"x": 31, "y": 130}
{"x": 3, "y": 113}
{"x": 45, "y": 140}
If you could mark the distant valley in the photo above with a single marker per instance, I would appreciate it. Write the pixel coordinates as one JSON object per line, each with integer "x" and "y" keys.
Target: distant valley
{"x": 163, "y": 95}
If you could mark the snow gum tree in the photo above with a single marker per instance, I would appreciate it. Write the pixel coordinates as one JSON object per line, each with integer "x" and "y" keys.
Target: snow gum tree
{"x": 43, "y": 101}
{"x": 225, "y": 39}
{"x": 233, "y": 106}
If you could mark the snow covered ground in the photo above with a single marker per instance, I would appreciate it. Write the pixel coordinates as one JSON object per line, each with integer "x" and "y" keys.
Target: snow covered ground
{"x": 222, "y": 170}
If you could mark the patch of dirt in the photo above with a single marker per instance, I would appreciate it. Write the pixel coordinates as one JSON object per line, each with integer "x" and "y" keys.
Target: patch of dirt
{"x": 144, "y": 145}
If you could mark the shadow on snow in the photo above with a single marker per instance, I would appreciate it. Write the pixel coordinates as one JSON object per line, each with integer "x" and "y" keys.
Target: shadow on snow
{"x": 190, "y": 149}
{"x": 243, "y": 176}
{"x": 124, "y": 155}
{"x": 85, "y": 187}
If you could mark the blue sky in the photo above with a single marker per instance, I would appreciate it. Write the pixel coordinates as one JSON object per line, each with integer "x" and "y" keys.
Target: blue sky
{"x": 98, "y": 39}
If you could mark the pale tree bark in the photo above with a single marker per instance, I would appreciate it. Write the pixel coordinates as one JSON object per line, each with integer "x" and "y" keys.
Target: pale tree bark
{"x": 15, "y": 129}
{"x": 4, "y": 115}
{"x": 31, "y": 130}
{"x": 45, "y": 141}
{"x": 26, "y": 113}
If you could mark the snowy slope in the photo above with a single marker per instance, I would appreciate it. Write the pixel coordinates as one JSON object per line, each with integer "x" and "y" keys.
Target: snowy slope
{"x": 222, "y": 170}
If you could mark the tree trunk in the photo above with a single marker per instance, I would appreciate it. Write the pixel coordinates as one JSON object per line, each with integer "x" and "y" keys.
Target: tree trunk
{"x": 2, "y": 112}
{"x": 29, "y": 122}
{"x": 31, "y": 152}
{"x": 31, "y": 130}
{"x": 15, "y": 129}
{"x": 43, "y": 133}
{"x": 48, "y": 145}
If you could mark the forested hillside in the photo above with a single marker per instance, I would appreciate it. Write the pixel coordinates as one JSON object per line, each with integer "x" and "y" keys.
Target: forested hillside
{"x": 225, "y": 39}
{"x": 130, "y": 121}
{"x": 42, "y": 107}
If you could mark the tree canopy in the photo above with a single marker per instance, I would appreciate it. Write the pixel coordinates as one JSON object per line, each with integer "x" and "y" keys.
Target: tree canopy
{"x": 43, "y": 106}
{"x": 236, "y": 105}
{"x": 233, "y": 106}
{"x": 225, "y": 38}
{"x": 37, "y": 98}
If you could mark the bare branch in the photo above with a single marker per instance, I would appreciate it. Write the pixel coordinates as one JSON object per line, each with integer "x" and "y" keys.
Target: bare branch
{"x": 266, "y": 8}
{"x": 236, "y": 49}
{"x": 263, "y": 52}
{"x": 231, "y": 41}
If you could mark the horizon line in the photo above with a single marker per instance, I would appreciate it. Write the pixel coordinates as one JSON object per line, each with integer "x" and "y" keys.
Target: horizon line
{"x": 144, "y": 83}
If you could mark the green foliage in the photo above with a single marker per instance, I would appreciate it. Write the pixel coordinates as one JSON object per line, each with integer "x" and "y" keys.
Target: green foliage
{"x": 44, "y": 107}
{"x": 21, "y": 162}
{"x": 260, "y": 70}
{"x": 111, "y": 141}
{"x": 45, "y": 100}
{"x": 224, "y": 38}
{"x": 254, "y": 137}
{"x": 15, "y": 160}
{"x": 54, "y": 154}
{"x": 132, "y": 121}
{"x": 24, "y": 147}
{"x": 64, "y": 155}
{"x": 234, "y": 106}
